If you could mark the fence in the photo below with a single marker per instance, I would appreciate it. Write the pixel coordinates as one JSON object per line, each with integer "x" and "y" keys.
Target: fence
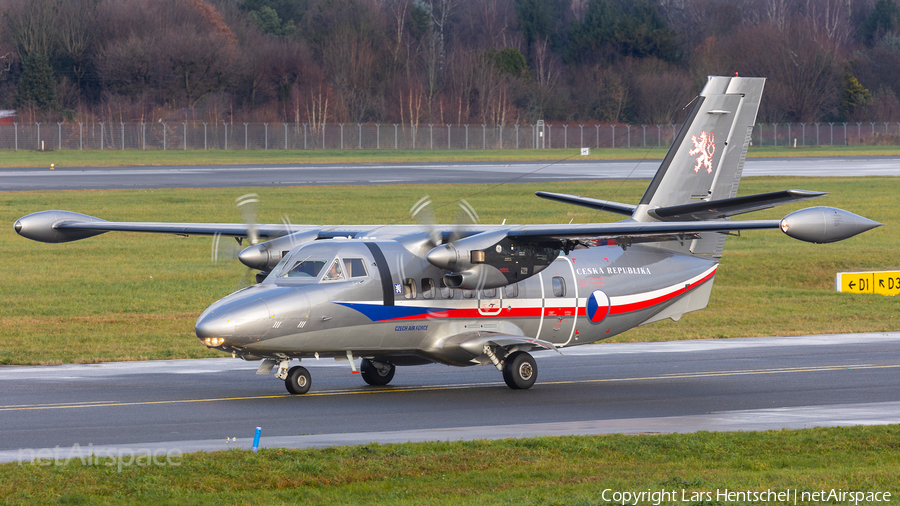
{"x": 199, "y": 135}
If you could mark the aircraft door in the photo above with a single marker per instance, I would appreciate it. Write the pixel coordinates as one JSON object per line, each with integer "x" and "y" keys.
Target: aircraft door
{"x": 490, "y": 302}
{"x": 560, "y": 302}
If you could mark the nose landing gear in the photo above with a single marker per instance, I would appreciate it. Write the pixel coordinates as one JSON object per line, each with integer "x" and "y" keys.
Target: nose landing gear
{"x": 298, "y": 380}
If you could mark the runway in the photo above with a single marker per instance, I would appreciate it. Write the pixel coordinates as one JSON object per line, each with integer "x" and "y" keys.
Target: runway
{"x": 81, "y": 178}
{"x": 685, "y": 386}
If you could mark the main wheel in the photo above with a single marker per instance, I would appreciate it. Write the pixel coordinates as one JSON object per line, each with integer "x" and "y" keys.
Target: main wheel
{"x": 519, "y": 371}
{"x": 298, "y": 380}
{"x": 374, "y": 375}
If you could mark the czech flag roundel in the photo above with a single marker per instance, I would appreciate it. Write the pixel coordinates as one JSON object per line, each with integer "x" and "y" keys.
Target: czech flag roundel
{"x": 597, "y": 306}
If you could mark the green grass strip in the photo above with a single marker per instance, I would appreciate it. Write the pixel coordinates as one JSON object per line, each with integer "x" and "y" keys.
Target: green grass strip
{"x": 697, "y": 469}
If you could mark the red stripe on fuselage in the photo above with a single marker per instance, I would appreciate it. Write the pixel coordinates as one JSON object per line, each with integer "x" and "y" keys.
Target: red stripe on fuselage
{"x": 637, "y": 306}
{"x": 536, "y": 312}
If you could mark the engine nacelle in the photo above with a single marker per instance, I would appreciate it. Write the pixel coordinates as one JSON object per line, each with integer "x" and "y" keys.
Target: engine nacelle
{"x": 825, "y": 224}
{"x": 491, "y": 260}
{"x": 266, "y": 255}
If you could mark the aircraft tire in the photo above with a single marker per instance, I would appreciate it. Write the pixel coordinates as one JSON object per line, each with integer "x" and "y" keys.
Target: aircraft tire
{"x": 520, "y": 371}
{"x": 298, "y": 380}
{"x": 375, "y": 376}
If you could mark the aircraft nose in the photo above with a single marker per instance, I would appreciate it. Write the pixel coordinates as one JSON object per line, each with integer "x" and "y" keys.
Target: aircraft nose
{"x": 211, "y": 325}
{"x": 230, "y": 320}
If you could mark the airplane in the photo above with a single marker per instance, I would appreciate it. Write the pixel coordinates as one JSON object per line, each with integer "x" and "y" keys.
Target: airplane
{"x": 402, "y": 295}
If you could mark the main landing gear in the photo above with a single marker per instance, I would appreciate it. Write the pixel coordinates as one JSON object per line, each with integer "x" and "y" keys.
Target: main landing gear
{"x": 519, "y": 370}
{"x": 376, "y": 373}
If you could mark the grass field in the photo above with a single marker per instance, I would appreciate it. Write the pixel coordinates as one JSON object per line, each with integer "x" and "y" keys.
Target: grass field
{"x": 560, "y": 471}
{"x": 123, "y": 296}
{"x": 113, "y": 158}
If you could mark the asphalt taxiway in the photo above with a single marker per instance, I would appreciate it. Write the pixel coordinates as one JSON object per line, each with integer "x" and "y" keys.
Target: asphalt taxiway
{"x": 685, "y": 386}
{"x": 226, "y": 176}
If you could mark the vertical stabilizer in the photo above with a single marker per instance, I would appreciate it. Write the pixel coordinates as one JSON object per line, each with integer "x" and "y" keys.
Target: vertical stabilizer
{"x": 707, "y": 158}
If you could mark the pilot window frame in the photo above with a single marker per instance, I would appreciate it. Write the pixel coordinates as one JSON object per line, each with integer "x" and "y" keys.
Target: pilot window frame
{"x": 338, "y": 275}
{"x": 355, "y": 267}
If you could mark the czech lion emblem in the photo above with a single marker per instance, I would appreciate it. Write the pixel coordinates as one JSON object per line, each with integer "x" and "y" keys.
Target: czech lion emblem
{"x": 705, "y": 146}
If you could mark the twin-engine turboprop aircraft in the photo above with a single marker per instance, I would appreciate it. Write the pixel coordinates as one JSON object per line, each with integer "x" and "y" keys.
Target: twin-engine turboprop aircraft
{"x": 407, "y": 295}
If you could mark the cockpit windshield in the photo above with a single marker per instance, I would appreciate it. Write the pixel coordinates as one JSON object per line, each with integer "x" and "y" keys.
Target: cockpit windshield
{"x": 312, "y": 263}
{"x": 308, "y": 268}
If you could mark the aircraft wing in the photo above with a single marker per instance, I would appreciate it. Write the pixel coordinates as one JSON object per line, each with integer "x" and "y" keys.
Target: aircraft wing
{"x": 634, "y": 229}
{"x": 226, "y": 229}
{"x": 64, "y": 226}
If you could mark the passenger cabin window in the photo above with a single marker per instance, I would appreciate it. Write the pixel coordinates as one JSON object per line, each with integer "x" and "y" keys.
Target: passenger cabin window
{"x": 446, "y": 291}
{"x": 489, "y": 294}
{"x": 355, "y": 267}
{"x": 307, "y": 268}
{"x": 409, "y": 288}
{"x": 427, "y": 288}
{"x": 559, "y": 287}
{"x": 468, "y": 294}
{"x": 335, "y": 272}
{"x": 511, "y": 291}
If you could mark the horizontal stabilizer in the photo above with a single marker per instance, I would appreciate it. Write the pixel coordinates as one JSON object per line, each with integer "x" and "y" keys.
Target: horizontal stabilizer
{"x": 600, "y": 205}
{"x": 723, "y": 208}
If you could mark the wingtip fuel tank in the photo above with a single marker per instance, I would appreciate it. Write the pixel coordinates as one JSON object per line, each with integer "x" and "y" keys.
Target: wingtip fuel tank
{"x": 825, "y": 224}
{"x": 43, "y": 226}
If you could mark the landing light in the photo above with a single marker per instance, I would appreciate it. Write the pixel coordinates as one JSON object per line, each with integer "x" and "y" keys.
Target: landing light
{"x": 214, "y": 342}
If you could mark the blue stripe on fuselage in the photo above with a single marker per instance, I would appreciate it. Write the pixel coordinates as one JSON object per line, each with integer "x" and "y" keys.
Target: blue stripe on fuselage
{"x": 380, "y": 313}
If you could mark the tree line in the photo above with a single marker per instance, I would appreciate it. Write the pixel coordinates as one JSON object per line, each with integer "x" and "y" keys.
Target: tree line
{"x": 442, "y": 61}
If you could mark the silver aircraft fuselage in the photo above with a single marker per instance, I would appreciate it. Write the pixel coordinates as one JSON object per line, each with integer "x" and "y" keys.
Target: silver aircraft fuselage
{"x": 399, "y": 312}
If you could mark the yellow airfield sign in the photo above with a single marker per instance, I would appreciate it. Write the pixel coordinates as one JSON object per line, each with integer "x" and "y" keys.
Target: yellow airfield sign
{"x": 878, "y": 282}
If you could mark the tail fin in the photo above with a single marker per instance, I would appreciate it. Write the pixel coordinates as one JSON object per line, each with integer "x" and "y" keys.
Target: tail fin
{"x": 707, "y": 158}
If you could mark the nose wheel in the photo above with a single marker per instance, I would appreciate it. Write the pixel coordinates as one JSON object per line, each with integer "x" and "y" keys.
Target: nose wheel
{"x": 519, "y": 371}
{"x": 298, "y": 380}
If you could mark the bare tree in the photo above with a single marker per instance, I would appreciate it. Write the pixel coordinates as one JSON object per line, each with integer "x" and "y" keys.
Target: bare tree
{"x": 32, "y": 25}
{"x": 832, "y": 18}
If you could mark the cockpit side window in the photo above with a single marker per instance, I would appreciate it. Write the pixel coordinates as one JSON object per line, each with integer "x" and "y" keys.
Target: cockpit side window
{"x": 307, "y": 268}
{"x": 355, "y": 267}
{"x": 335, "y": 272}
